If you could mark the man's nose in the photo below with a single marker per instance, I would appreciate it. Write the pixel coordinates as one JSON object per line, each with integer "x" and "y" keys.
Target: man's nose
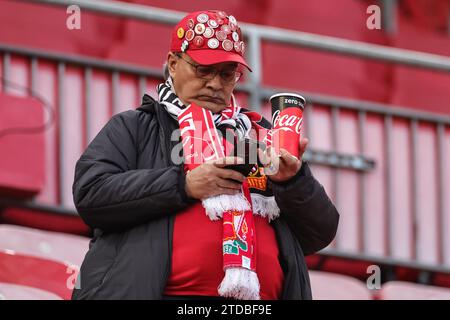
{"x": 215, "y": 83}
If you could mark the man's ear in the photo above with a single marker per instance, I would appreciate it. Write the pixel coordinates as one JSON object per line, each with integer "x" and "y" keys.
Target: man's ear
{"x": 172, "y": 61}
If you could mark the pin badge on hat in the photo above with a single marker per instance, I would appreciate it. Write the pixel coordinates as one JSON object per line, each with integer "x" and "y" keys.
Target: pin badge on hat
{"x": 190, "y": 35}
{"x": 220, "y": 35}
{"x": 209, "y": 33}
{"x": 237, "y": 46}
{"x": 226, "y": 28}
{"x": 242, "y": 47}
{"x": 191, "y": 23}
{"x": 184, "y": 46}
{"x": 221, "y": 14}
{"x": 213, "y": 43}
{"x": 200, "y": 28}
{"x": 227, "y": 45}
{"x": 180, "y": 33}
{"x": 235, "y": 36}
{"x": 202, "y": 17}
{"x": 232, "y": 20}
{"x": 198, "y": 41}
{"x": 213, "y": 23}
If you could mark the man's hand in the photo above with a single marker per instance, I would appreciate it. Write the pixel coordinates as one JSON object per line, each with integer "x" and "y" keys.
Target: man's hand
{"x": 284, "y": 166}
{"x": 211, "y": 179}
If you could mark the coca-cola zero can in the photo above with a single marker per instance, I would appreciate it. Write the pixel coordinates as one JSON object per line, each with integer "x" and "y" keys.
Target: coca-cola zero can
{"x": 287, "y": 119}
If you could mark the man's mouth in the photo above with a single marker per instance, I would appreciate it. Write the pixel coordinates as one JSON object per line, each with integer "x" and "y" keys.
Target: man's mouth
{"x": 211, "y": 99}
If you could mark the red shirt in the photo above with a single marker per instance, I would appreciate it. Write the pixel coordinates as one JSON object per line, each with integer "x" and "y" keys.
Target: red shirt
{"x": 197, "y": 261}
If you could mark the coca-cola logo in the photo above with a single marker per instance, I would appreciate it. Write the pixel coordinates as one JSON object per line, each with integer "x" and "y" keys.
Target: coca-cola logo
{"x": 290, "y": 121}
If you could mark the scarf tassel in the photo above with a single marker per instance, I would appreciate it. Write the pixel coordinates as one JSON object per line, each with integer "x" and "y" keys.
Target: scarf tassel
{"x": 265, "y": 207}
{"x": 217, "y": 205}
{"x": 240, "y": 283}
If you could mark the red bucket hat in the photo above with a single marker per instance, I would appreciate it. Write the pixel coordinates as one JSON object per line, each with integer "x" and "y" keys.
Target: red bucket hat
{"x": 209, "y": 37}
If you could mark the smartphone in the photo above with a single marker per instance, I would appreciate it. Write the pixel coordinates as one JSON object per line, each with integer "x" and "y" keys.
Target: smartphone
{"x": 246, "y": 149}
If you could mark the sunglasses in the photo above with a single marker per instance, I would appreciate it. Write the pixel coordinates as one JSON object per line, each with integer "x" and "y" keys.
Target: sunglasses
{"x": 209, "y": 72}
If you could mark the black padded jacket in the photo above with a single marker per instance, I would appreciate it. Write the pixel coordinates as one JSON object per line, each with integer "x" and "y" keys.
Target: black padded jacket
{"x": 127, "y": 189}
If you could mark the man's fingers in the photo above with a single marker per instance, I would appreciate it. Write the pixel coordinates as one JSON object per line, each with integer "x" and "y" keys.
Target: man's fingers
{"x": 270, "y": 160}
{"x": 230, "y": 174}
{"x": 225, "y": 161}
{"x": 303, "y": 144}
{"x": 274, "y": 157}
{"x": 267, "y": 156}
{"x": 263, "y": 158}
{"x": 273, "y": 166}
{"x": 219, "y": 190}
{"x": 287, "y": 157}
{"x": 228, "y": 184}
{"x": 304, "y": 141}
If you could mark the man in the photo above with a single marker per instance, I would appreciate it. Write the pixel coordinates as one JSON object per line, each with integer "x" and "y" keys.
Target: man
{"x": 165, "y": 229}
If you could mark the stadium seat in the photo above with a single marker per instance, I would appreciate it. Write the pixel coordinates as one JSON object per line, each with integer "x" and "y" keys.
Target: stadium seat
{"x": 316, "y": 71}
{"x": 329, "y": 286}
{"x": 398, "y": 290}
{"x": 430, "y": 15}
{"x": 18, "y": 292}
{"x": 22, "y": 166}
{"x": 60, "y": 247}
{"x": 417, "y": 88}
{"x": 28, "y": 19}
{"x": 47, "y": 275}
{"x": 44, "y": 220}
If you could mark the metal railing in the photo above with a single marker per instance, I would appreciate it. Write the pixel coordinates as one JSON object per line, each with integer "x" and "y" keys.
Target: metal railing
{"x": 258, "y": 93}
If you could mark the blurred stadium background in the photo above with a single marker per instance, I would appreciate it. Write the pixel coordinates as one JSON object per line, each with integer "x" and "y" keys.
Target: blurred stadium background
{"x": 378, "y": 118}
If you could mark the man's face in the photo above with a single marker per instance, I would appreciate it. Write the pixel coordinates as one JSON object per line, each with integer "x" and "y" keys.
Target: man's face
{"x": 213, "y": 94}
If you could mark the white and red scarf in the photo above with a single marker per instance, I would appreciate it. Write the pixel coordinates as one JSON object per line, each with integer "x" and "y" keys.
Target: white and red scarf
{"x": 201, "y": 142}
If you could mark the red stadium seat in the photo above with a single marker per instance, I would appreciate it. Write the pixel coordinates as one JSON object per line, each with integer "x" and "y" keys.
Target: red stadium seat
{"x": 43, "y": 220}
{"x": 32, "y": 24}
{"x": 418, "y": 88}
{"x": 432, "y": 15}
{"x": 19, "y": 292}
{"x": 135, "y": 46}
{"x": 60, "y": 247}
{"x": 316, "y": 71}
{"x": 22, "y": 166}
{"x": 397, "y": 290}
{"x": 47, "y": 275}
{"x": 329, "y": 286}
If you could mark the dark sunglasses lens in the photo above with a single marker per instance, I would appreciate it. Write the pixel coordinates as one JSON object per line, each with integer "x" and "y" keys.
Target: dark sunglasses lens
{"x": 205, "y": 71}
{"x": 228, "y": 76}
